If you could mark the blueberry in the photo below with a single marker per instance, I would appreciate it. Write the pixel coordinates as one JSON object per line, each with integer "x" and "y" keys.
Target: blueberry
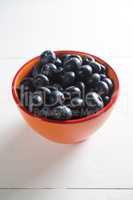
{"x": 44, "y": 90}
{"x": 87, "y": 60}
{"x": 35, "y": 111}
{"x": 81, "y": 86}
{"x": 94, "y": 79}
{"x": 102, "y": 88}
{"x": 59, "y": 69}
{"x": 103, "y": 69}
{"x": 61, "y": 113}
{"x": 58, "y": 86}
{"x": 68, "y": 79}
{"x": 48, "y": 57}
{"x": 45, "y": 112}
{"x": 109, "y": 82}
{"x": 24, "y": 96}
{"x": 52, "y": 88}
{"x": 58, "y": 62}
{"x": 36, "y": 101}
{"x": 72, "y": 64}
{"x": 27, "y": 84}
{"x": 56, "y": 97}
{"x": 103, "y": 76}
{"x": 67, "y": 97}
{"x": 36, "y": 69}
{"x": 106, "y": 99}
{"x": 40, "y": 80}
{"x": 85, "y": 72}
{"x": 96, "y": 67}
{"x": 57, "y": 76}
{"x": 77, "y": 56}
{"x": 49, "y": 69}
{"x": 65, "y": 57}
{"x": 77, "y": 102}
{"x": 73, "y": 91}
{"x": 94, "y": 102}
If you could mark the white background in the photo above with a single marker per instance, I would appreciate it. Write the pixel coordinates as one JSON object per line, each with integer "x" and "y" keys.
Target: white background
{"x": 34, "y": 168}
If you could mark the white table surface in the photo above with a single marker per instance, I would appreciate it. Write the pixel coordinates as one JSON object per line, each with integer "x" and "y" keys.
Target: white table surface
{"x": 34, "y": 168}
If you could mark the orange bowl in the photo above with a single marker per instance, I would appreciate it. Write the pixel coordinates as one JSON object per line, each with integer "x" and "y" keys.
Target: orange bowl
{"x": 68, "y": 131}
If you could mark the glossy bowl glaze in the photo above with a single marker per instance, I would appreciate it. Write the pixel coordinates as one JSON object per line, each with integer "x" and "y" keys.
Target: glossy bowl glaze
{"x": 69, "y": 131}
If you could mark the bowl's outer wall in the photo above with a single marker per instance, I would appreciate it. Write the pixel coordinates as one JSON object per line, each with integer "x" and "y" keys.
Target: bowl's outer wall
{"x": 61, "y": 132}
{"x": 66, "y": 133}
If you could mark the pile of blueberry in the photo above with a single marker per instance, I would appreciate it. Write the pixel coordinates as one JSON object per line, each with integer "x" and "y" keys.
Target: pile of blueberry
{"x": 65, "y": 87}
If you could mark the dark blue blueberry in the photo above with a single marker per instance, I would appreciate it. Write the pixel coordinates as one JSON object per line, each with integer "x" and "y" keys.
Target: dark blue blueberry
{"x": 27, "y": 84}
{"x": 35, "y": 102}
{"x": 93, "y": 80}
{"x": 48, "y": 57}
{"x": 59, "y": 69}
{"x": 73, "y": 91}
{"x": 103, "y": 76}
{"x": 49, "y": 69}
{"x": 56, "y": 98}
{"x": 106, "y": 100}
{"x": 102, "y": 88}
{"x": 61, "y": 113}
{"x": 77, "y": 102}
{"x": 44, "y": 90}
{"x": 36, "y": 69}
{"x": 103, "y": 69}
{"x": 36, "y": 111}
{"x": 37, "y": 99}
{"x": 87, "y": 60}
{"x": 40, "y": 80}
{"x": 68, "y": 79}
{"x": 58, "y": 62}
{"x": 45, "y": 112}
{"x": 72, "y": 64}
{"x": 65, "y": 57}
{"x": 85, "y": 72}
{"x": 94, "y": 102}
{"x": 96, "y": 67}
{"x": 82, "y": 88}
{"x": 58, "y": 86}
{"x": 77, "y": 56}
{"x": 109, "y": 82}
{"x": 52, "y": 88}
{"x": 24, "y": 96}
{"x": 57, "y": 76}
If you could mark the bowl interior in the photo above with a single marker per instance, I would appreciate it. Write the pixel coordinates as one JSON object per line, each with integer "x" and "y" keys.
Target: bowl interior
{"x": 25, "y": 69}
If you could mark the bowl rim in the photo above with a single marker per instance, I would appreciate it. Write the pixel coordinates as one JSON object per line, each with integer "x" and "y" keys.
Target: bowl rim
{"x": 72, "y": 121}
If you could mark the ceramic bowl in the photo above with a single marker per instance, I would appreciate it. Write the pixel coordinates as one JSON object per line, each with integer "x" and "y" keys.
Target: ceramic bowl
{"x": 69, "y": 131}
